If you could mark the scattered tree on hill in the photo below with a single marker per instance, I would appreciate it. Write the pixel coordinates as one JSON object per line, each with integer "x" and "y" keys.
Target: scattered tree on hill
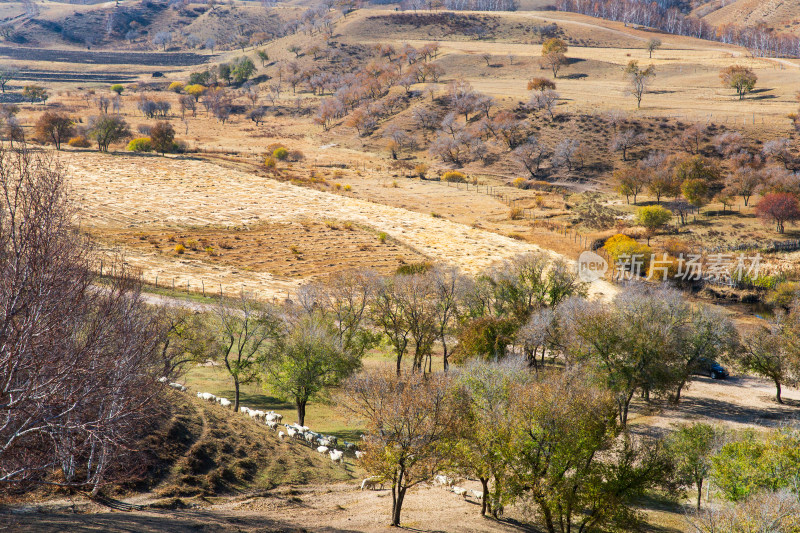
{"x": 195, "y": 91}
{"x": 741, "y": 79}
{"x": 263, "y": 57}
{"x": 638, "y": 80}
{"x": 162, "y": 38}
{"x": 544, "y": 100}
{"x": 117, "y": 88}
{"x": 653, "y": 218}
{"x": 627, "y": 140}
{"x": 54, "y": 127}
{"x": 162, "y": 137}
{"x": 408, "y": 420}
{"x": 779, "y": 208}
{"x": 695, "y": 191}
{"x": 743, "y": 182}
{"x": 35, "y": 93}
{"x": 107, "y": 129}
{"x": 531, "y": 155}
{"x": 541, "y": 84}
{"x": 553, "y": 54}
{"x": 689, "y": 139}
{"x": 629, "y": 182}
{"x": 653, "y": 45}
{"x": 569, "y": 153}
{"x": 187, "y": 103}
{"x": 6, "y": 75}
{"x": 241, "y": 70}
{"x": 699, "y": 168}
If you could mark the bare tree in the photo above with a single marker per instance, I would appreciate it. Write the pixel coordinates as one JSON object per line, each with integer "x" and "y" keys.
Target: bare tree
{"x": 544, "y": 101}
{"x": 638, "y": 80}
{"x": 626, "y": 140}
{"x": 6, "y": 75}
{"x": 80, "y": 363}
{"x": 531, "y": 155}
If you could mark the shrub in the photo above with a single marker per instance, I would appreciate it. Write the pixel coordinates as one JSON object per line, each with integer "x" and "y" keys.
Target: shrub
{"x": 520, "y": 183}
{"x": 414, "y": 268}
{"x": 269, "y": 162}
{"x": 420, "y": 170}
{"x": 516, "y": 213}
{"x": 454, "y": 176}
{"x": 79, "y": 142}
{"x": 382, "y": 236}
{"x": 176, "y": 86}
{"x": 348, "y": 188}
{"x": 280, "y": 153}
{"x": 180, "y": 249}
{"x": 140, "y": 144}
{"x": 210, "y": 251}
{"x": 296, "y": 155}
{"x": 117, "y": 88}
{"x": 620, "y": 246}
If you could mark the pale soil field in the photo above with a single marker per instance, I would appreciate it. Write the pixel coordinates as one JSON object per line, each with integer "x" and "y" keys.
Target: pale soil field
{"x": 184, "y": 194}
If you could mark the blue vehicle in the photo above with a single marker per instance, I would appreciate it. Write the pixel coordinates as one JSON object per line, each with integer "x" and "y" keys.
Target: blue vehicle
{"x": 708, "y": 367}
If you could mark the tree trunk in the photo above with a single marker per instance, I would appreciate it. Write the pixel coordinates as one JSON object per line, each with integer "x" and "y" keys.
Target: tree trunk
{"x": 236, "y": 400}
{"x": 399, "y": 358}
{"x": 778, "y": 392}
{"x": 445, "y": 362}
{"x": 301, "y": 410}
{"x": 485, "y": 485}
{"x": 699, "y": 492}
{"x": 678, "y": 392}
{"x": 397, "y": 506}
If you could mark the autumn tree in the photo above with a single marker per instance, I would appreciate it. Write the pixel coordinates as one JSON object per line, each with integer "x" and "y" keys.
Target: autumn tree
{"x": 779, "y": 208}
{"x": 162, "y": 137}
{"x": 653, "y": 218}
{"x": 408, "y": 422}
{"x": 638, "y": 80}
{"x": 695, "y": 191}
{"x": 54, "y": 127}
{"x": 773, "y": 351}
{"x": 307, "y": 358}
{"x": 740, "y": 78}
{"x": 572, "y": 461}
{"x": 7, "y": 74}
{"x": 743, "y": 181}
{"x": 544, "y": 101}
{"x": 553, "y": 54}
{"x": 531, "y": 155}
{"x": 653, "y": 45}
{"x": 541, "y": 84}
{"x": 691, "y": 448}
{"x": 107, "y": 129}
{"x": 629, "y": 181}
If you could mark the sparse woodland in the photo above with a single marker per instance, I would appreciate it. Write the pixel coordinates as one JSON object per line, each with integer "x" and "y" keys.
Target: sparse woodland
{"x": 367, "y": 220}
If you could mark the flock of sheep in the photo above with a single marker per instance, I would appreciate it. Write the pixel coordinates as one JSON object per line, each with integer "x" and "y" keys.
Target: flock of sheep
{"x": 324, "y": 443}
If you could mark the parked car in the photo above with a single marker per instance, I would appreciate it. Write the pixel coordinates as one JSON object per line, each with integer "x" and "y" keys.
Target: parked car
{"x": 708, "y": 367}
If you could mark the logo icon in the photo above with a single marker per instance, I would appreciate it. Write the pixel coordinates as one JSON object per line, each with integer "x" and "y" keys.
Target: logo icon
{"x": 591, "y": 267}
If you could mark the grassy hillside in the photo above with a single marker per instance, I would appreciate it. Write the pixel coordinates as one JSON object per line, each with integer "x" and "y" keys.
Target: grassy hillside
{"x": 204, "y": 449}
{"x": 780, "y": 15}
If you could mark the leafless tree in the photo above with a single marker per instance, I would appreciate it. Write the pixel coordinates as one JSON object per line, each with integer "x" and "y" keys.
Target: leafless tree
{"x": 531, "y": 155}
{"x": 625, "y": 141}
{"x": 567, "y": 153}
{"x": 80, "y": 360}
{"x": 544, "y": 101}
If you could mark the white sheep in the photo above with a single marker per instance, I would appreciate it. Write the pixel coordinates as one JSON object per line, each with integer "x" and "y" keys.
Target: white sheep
{"x": 443, "y": 480}
{"x": 281, "y": 434}
{"x": 477, "y": 494}
{"x": 178, "y": 386}
{"x": 291, "y": 431}
{"x": 459, "y": 491}
{"x": 336, "y": 455}
{"x": 272, "y": 425}
{"x": 372, "y": 482}
{"x": 310, "y": 437}
{"x": 244, "y": 410}
{"x": 207, "y": 396}
{"x": 224, "y": 402}
{"x": 349, "y": 446}
{"x": 359, "y": 454}
{"x": 324, "y": 441}
{"x": 163, "y": 379}
{"x": 322, "y": 449}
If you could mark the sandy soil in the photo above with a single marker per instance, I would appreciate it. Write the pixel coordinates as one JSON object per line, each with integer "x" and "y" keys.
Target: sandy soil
{"x": 134, "y": 193}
